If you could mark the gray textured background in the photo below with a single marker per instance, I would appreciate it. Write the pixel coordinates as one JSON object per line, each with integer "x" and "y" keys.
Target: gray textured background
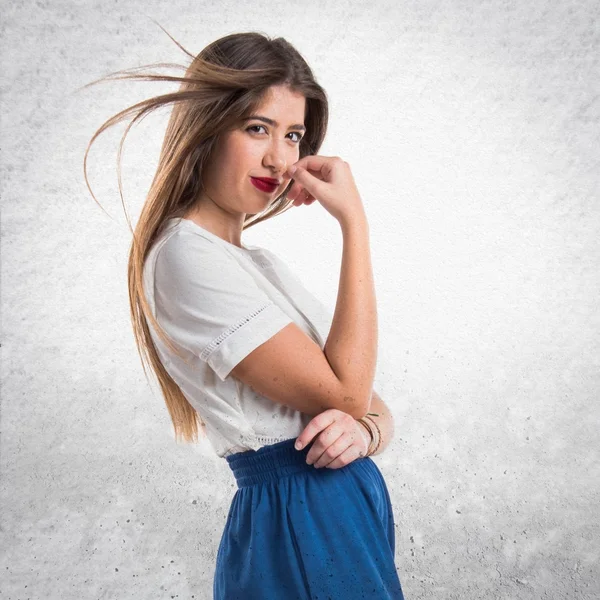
{"x": 472, "y": 129}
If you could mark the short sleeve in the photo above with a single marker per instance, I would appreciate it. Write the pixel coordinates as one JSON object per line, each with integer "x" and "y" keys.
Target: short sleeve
{"x": 282, "y": 266}
{"x": 210, "y": 304}
{"x": 317, "y": 313}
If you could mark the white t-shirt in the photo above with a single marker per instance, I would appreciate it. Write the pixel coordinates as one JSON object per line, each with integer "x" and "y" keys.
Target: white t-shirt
{"x": 218, "y": 302}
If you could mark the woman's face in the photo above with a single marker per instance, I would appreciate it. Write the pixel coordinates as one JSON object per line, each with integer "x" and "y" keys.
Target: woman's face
{"x": 257, "y": 148}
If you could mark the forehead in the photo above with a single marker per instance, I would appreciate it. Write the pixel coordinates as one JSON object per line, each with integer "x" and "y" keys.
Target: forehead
{"x": 281, "y": 100}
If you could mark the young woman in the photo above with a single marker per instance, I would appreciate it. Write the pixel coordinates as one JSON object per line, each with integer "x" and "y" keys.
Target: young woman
{"x": 239, "y": 345}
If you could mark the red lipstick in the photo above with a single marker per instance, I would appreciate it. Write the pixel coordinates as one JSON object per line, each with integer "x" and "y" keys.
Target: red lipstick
{"x": 265, "y": 184}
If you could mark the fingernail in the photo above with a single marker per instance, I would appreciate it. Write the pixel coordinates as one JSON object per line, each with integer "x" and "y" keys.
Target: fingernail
{"x": 298, "y": 445}
{"x": 292, "y": 169}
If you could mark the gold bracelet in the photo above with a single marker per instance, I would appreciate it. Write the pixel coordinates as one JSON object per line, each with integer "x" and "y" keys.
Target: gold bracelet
{"x": 379, "y": 439}
{"x": 376, "y": 438}
{"x": 370, "y": 430}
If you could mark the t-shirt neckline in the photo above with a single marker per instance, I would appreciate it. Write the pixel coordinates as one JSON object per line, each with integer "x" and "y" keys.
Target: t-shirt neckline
{"x": 193, "y": 225}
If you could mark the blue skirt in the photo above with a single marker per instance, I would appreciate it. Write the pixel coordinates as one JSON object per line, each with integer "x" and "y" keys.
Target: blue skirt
{"x": 295, "y": 532}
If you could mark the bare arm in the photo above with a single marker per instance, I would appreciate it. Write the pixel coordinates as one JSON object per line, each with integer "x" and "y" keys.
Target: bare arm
{"x": 291, "y": 369}
{"x": 351, "y": 347}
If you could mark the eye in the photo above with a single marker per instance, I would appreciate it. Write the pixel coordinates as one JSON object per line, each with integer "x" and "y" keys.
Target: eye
{"x": 253, "y": 128}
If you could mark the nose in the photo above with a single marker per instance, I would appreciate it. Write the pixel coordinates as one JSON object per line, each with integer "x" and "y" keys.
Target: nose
{"x": 275, "y": 158}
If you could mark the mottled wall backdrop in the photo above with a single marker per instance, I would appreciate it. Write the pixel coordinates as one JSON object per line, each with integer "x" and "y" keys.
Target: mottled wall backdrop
{"x": 472, "y": 129}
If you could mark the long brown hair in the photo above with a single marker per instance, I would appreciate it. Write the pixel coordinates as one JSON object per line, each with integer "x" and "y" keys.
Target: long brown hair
{"x": 224, "y": 83}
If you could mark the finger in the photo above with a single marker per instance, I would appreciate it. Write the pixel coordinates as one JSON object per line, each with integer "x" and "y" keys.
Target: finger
{"x": 349, "y": 455}
{"x": 334, "y": 450}
{"x": 307, "y": 197}
{"x": 354, "y": 440}
{"x": 320, "y": 450}
{"x": 302, "y": 198}
{"x": 295, "y": 191}
{"x": 318, "y": 165}
{"x": 316, "y": 425}
{"x": 308, "y": 181}
{"x": 342, "y": 423}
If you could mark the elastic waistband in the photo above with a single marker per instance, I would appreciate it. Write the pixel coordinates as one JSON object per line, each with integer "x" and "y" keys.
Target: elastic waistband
{"x": 269, "y": 462}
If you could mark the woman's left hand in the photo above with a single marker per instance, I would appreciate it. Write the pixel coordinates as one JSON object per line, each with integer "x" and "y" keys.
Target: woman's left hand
{"x": 341, "y": 439}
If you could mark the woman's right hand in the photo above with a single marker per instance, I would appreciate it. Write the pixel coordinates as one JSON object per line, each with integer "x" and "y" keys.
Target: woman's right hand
{"x": 329, "y": 180}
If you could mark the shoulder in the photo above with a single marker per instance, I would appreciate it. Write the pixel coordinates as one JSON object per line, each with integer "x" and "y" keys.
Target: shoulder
{"x": 191, "y": 265}
{"x": 183, "y": 249}
{"x": 182, "y": 238}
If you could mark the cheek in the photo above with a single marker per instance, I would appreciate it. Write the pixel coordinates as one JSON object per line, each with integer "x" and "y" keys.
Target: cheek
{"x": 245, "y": 158}
{"x": 235, "y": 151}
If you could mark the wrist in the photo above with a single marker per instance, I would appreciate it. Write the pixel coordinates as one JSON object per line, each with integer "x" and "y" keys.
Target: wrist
{"x": 375, "y": 434}
{"x": 355, "y": 223}
{"x": 367, "y": 435}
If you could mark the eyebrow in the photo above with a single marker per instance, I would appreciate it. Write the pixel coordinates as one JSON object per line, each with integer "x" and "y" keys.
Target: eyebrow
{"x": 274, "y": 123}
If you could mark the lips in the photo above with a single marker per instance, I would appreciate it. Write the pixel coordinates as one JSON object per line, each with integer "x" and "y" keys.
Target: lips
{"x": 264, "y": 184}
{"x": 268, "y": 180}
